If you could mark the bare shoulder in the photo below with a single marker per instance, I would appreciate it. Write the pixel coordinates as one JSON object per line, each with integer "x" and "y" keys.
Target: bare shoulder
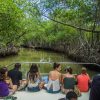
{"x": 51, "y": 72}
{"x": 59, "y": 73}
{"x": 38, "y": 74}
{"x": 63, "y": 75}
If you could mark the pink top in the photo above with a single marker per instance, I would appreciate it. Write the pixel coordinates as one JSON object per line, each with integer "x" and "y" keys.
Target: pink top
{"x": 83, "y": 80}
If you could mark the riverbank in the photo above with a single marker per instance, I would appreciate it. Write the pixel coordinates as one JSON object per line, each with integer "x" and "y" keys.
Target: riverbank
{"x": 15, "y": 51}
{"x": 8, "y": 51}
{"x": 73, "y": 57}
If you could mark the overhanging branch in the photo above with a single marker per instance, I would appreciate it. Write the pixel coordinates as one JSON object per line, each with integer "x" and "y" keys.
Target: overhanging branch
{"x": 87, "y": 30}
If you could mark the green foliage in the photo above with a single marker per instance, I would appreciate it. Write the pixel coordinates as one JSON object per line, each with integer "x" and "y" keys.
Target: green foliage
{"x": 10, "y": 19}
{"x": 23, "y": 20}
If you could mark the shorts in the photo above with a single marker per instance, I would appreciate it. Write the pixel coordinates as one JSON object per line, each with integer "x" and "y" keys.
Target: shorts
{"x": 51, "y": 91}
{"x": 33, "y": 89}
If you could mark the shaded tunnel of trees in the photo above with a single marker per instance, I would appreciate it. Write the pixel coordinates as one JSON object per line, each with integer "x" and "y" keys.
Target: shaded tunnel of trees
{"x": 68, "y": 26}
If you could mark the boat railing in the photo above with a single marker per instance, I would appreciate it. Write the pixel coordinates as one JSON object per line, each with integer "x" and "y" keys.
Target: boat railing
{"x": 51, "y": 64}
{"x": 80, "y": 63}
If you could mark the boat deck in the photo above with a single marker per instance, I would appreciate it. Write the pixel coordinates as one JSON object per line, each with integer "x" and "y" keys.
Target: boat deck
{"x": 43, "y": 95}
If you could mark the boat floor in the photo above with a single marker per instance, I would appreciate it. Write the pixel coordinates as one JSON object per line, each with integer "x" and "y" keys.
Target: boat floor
{"x": 43, "y": 95}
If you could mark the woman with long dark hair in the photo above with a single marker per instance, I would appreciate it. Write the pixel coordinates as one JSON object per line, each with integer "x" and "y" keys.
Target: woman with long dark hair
{"x": 53, "y": 85}
{"x": 34, "y": 79}
{"x": 68, "y": 81}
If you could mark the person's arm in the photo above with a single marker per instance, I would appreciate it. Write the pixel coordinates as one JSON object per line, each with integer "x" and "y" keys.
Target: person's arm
{"x": 10, "y": 83}
{"x": 89, "y": 81}
{"x": 60, "y": 78}
{"x": 75, "y": 77}
{"x": 39, "y": 76}
{"x": 28, "y": 77}
{"x": 20, "y": 78}
{"x": 49, "y": 76}
{"x": 8, "y": 74}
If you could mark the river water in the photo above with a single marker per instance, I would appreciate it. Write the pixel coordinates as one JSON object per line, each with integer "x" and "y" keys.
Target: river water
{"x": 31, "y": 55}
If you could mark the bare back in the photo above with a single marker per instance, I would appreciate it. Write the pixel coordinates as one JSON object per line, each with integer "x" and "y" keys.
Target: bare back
{"x": 54, "y": 75}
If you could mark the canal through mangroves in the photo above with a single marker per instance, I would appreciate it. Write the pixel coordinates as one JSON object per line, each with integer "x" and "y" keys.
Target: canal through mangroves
{"x": 31, "y": 55}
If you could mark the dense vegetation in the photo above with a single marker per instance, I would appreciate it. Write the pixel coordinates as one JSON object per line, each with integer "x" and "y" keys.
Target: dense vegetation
{"x": 69, "y": 26}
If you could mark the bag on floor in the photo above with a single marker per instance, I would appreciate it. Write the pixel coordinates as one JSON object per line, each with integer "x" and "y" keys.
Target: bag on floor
{"x": 10, "y": 98}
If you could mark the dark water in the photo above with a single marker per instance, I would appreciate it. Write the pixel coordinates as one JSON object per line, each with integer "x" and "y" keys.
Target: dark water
{"x": 30, "y": 55}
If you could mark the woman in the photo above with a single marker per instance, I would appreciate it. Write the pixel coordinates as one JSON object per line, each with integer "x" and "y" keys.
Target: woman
{"x": 68, "y": 81}
{"x": 53, "y": 85}
{"x": 34, "y": 80}
{"x": 7, "y": 78}
{"x": 83, "y": 80}
{"x": 6, "y": 87}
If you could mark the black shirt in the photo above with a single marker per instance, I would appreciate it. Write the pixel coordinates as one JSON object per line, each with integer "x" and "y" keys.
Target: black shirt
{"x": 16, "y": 76}
{"x": 95, "y": 88}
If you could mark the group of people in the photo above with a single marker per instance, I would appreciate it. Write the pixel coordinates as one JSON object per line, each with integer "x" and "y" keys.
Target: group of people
{"x": 11, "y": 81}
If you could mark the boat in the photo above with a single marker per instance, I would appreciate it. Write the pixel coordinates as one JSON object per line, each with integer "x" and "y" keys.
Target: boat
{"x": 43, "y": 95}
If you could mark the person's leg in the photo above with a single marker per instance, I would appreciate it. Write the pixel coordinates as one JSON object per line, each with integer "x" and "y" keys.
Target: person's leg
{"x": 41, "y": 85}
{"x": 33, "y": 89}
{"x": 24, "y": 82}
{"x": 23, "y": 85}
{"x": 65, "y": 91}
{"x": 15, "y": 88}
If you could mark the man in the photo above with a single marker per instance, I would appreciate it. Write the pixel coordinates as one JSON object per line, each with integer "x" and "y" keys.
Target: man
{"x": 95, "y": 88}
{"x": 70, "y": 96}
{"x": 16, "y": 75}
